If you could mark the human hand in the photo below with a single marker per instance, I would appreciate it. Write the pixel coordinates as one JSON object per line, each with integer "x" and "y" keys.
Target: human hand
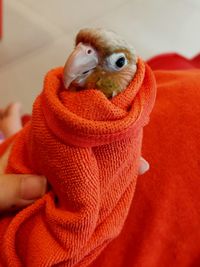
{"x": 20, "y": 190}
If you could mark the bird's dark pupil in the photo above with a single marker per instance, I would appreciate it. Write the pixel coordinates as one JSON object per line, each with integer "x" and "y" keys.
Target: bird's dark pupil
{"x": 120, "y": 62}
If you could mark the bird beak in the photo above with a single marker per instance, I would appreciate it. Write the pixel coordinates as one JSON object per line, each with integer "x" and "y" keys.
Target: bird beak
{"x": 82, "y": 60}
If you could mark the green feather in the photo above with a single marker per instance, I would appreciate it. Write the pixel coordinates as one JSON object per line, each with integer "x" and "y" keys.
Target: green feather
{"x": 107, "y": 86}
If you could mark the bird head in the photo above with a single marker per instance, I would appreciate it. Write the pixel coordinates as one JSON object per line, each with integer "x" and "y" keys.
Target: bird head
{"x": 101, "y": 60}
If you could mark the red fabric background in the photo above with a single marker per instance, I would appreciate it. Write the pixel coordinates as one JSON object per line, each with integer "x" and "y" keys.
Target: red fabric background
{"x": 173, "y": 61}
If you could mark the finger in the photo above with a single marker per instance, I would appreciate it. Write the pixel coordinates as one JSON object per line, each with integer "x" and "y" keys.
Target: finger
{"x": 144, "y": 166}
{"x": 12, "y": 109}
{"x": 17, "y": 191}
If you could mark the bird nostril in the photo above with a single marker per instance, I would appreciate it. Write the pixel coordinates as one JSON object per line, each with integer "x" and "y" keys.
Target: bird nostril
{"x": 89, "y": 51}
{"x": 85, "y": 72}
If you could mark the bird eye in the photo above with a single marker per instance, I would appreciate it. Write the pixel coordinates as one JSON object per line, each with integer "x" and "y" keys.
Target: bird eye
{"x": 116, "y": 61}
{"x": 120, "y": 62}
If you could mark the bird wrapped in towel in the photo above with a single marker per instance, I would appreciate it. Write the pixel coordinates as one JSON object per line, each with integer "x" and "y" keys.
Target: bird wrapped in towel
{"x": 101, "y": 60}
{"x": 85, "y": 136}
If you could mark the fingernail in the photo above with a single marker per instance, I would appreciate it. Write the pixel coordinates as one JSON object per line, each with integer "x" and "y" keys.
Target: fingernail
{"x": 144, "y": 166}
{"x": 33, "y": 187}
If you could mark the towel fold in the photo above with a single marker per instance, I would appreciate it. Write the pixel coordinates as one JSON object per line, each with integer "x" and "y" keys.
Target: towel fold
{"x": 89, "y": 148}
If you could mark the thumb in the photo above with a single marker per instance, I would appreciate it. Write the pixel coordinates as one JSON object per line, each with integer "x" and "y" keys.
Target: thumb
{"x": 20, "y": 190}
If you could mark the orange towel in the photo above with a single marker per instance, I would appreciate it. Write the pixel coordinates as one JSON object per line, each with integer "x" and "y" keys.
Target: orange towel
{"x": 163, "y": 225}
{"x": 89, "y": 149}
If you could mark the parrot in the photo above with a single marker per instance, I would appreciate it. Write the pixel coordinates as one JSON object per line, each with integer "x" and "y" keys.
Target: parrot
{"x": 101, "y": 60}
{"x": 104, "y": 61}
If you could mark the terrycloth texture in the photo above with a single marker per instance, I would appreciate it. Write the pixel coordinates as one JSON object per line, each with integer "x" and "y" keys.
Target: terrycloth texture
{"x": 89, "y": 149}
{"x": 163, "y": 225}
